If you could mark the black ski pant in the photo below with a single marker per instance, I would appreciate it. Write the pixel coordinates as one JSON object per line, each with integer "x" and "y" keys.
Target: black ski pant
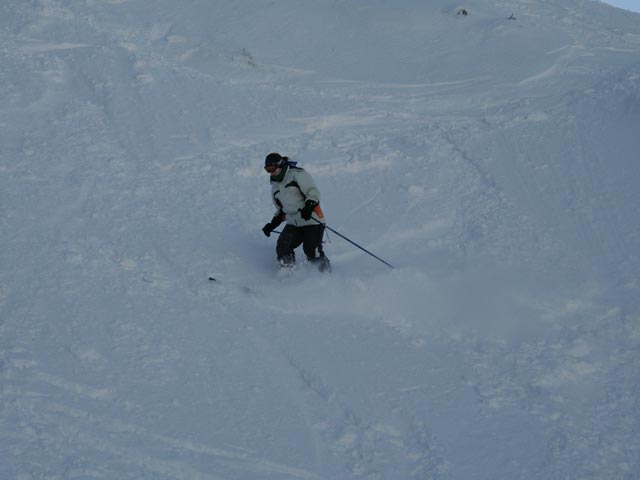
{"x": 309, "y": 236}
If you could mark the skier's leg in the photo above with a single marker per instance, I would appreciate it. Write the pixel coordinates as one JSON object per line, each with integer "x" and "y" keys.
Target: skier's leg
{"x": 313, "y": 246}
{"x": 290, "y": 239}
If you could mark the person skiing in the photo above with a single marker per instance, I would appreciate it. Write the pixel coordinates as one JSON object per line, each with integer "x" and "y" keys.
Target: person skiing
{"x": 297, "y": 201}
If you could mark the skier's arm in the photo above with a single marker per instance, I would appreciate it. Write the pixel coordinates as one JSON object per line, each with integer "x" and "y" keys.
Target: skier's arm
{"x": 277, "y": 219}
{"x": 308, "y": 186}
{"x": 279, "y": 213}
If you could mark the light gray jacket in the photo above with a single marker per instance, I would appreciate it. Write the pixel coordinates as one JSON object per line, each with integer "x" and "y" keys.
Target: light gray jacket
{"x": 290, "y": 194}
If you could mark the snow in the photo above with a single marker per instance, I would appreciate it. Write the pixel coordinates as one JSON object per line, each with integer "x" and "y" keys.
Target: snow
{"x": 492, "y": 161}
{"x": 631, "y": 5}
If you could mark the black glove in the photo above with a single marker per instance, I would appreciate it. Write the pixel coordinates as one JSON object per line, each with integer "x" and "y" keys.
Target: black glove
{"x": 267, "y": 229}
{"x": 307, "y": 210}
{"x": 273, "y": 224}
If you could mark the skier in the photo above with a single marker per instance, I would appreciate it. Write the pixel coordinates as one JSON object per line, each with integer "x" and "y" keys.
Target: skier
{"x": 297, "y": 201}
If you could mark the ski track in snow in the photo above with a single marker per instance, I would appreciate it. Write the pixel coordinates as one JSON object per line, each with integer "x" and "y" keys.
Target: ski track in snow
{"x": 500, "y": 180}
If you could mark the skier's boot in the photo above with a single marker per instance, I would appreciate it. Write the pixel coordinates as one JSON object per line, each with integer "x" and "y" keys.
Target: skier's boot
{"x": 288, "y": 260}
{"x": 322, "y": 263}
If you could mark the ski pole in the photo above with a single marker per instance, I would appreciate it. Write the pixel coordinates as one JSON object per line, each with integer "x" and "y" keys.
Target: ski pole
{"x": 354, "y": 243}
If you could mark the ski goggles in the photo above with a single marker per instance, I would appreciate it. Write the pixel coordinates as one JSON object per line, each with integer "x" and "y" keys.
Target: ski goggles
{"x": 272, "y": 167}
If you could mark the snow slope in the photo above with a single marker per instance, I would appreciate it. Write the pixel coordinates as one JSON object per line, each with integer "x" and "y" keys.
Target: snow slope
{"x": 630, "y": 5}
{"x": 493, "y": 161}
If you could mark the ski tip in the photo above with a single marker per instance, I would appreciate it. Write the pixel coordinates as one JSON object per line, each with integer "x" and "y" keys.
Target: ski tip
{"x": 211, "y": 279}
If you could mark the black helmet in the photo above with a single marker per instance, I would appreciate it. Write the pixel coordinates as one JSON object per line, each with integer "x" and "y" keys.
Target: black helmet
{"x": 274, "y": 159}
